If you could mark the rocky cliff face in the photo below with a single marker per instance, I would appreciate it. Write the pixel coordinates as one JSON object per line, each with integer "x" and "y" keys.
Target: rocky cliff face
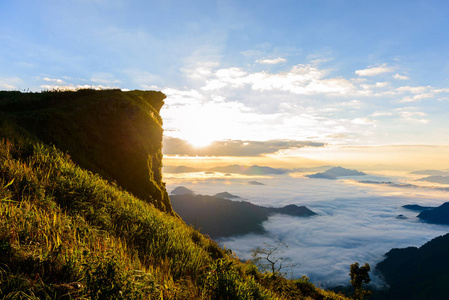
{"x": 113, "y": 133}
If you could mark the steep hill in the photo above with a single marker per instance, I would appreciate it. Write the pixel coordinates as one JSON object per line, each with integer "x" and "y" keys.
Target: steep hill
{"x": 113, "y": 133}
{"x": 220, "y": 217}
{"x": 69, "y": 233}
{"x": 417, "y": 273}
{"x": 436, "y": 215}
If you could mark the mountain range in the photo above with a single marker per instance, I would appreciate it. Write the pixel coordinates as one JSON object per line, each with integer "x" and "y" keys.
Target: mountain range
{"x": 416, "y": 273}
{"x": 335, "y": 172}
{"x": 218, "y": 216}
{"x": 436, "y": 179}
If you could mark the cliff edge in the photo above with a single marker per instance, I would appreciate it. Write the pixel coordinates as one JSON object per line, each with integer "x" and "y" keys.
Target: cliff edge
{"x": 110, "y": 132}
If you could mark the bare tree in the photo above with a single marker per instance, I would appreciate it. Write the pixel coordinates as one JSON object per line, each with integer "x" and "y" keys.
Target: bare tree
{"x": 270, "y": 258}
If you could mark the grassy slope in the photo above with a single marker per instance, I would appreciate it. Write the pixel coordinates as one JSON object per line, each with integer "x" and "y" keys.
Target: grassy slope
{"x": 65, "y": 233}
{"x": 116, "y": 134}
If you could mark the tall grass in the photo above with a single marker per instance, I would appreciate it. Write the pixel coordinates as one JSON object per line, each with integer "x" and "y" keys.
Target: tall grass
{"x": 58, "y": 220}
{"x": 66, "y": 233}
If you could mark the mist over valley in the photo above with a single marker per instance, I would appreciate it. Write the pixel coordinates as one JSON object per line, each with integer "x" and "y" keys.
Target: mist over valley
{"x": 355, "y": 221}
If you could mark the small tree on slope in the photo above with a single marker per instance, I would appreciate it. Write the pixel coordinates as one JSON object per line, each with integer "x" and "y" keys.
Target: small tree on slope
{"x": 359, "y": 276}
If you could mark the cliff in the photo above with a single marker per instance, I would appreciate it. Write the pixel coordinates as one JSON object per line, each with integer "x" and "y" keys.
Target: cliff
{"x": 113, "y": 133}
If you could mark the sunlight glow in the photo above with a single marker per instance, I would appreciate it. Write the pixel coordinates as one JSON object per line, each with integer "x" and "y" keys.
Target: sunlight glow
{"x": 202, "y": 138}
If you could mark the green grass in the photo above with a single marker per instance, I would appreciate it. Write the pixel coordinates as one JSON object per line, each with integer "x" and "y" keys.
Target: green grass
{"x": 115, "y": 134}
{"x": 67, "y": 233}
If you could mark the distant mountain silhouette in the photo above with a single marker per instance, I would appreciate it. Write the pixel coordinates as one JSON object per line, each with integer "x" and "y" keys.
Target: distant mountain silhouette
{"x": 307, "y": 170}
{"x": 334, "y": 173}
{"x": 436, "y": 179}
{"x": 417, "y": 273}
{"x": 390, "y": 183}
{"x": 244, "y": 170}
{"x": 219, "y": 217}
{"x": 181, "y": 190}
{"x": 252, "y": 182}
{"x": 248, "y": 170}
{"x": 437, "y": 215}
{"x": 226, "y": 195}
{"x": 179, "y": 169}
{"x": 416, "y": 207}
{"x": 431, "y": 172}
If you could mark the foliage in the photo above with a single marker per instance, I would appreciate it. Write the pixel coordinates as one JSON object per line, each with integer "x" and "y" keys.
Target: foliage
{"x": 359, "y": 277}
{"x": 224, "y": 280}
{"x": 113, "y": 133}
{"x": 416, "y": 273}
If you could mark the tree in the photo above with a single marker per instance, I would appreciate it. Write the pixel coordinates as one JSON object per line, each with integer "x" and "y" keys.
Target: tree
{"x": 359, "y": 276}
{"x": 269, "y": 259}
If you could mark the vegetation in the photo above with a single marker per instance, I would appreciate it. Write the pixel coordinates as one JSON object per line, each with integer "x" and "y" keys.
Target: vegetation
{"x": 270, "y": 259}
{"x": 359, "y": 277}
{"x": 68, "y": 233}
{"x": 113, "y": 133}
{"x": 211, "y": 214}
{"x": 416, "y": 273}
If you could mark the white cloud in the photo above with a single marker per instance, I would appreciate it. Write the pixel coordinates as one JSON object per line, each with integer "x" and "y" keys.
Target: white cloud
{"x": 411, "y": 115}
{"x": 104, "y": 78}
{"x": 10, "y": 83}
{"x": 271, "y": 61}
{"x": 420, "y": 93}
{"x": 297, "y": 103}
{"x": 374, "y": 71}
{"x": 300, "y": 79}
{"x": 57, "y": 81}
{"x": 400, "y": 77}
{"x": 182, "y": 97}
{"x": 363, "y": 121}
{"x": 353, "y": 103}
{"x": 381, "y": 114}
{"x": 71, "y": 87}
{"x": 416, "y": 97}
{"x": 141, "y": 78}
{"x": 413, "y": 89}
{"x": 201, "y": 70}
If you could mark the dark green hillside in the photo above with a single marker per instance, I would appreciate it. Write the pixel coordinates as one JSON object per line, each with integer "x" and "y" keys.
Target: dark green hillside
{"x": 67, "y": 233}
{"x": 220, "y": 217}
{"x": 113, "y": 133}
{"x": 436, "y": 215}
{"x": 417, "y": 273}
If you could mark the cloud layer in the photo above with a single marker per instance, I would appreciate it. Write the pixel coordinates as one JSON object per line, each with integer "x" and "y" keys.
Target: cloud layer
{"x": 356, "y": 222}
{"x": 175, "y": 146}
{"x": 305, "y": 102}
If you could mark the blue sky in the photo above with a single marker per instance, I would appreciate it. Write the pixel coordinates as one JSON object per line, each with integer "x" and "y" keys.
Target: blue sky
{"x": 342, "y": 73}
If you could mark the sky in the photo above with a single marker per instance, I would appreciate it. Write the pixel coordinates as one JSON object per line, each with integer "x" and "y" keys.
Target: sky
{"x": 316, "y": 80}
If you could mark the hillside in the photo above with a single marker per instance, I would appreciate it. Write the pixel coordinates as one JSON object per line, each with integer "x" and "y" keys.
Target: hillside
{"x": 436, "y": 215}
{"x": 220, "y": 217}
{"x": 113, "y": 133}
{"x": 417, "y": 273}
{"x": 71, "y": 227}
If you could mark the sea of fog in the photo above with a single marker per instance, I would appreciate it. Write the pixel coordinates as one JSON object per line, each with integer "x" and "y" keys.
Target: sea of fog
{"x": 355, "y": 222}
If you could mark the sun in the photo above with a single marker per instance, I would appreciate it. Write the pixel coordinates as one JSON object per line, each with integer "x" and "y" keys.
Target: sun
{"x": 199, "y": 139}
